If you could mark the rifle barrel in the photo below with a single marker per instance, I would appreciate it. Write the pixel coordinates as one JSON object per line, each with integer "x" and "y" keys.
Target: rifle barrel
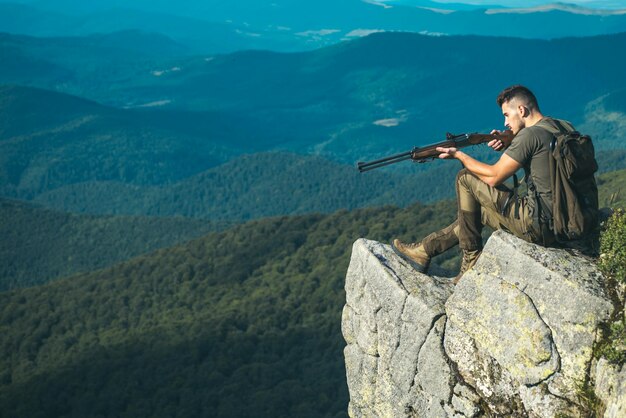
{"x": 421, "y": 154}
{"x": 370, "y": 165}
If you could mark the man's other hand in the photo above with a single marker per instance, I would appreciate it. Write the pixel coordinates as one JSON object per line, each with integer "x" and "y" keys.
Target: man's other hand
{"x": 447, "y": 152}
{"x": 503, "y": 142}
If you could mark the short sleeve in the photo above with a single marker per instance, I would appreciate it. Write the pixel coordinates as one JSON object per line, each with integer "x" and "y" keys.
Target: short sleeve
{"x": 524, "y": 145}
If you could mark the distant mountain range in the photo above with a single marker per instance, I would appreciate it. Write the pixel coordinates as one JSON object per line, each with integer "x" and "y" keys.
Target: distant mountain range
{"x": 287, "y": 25}
{"x": 356, "y": 100}
{"x": 181, "y": 153}
{"x": 88, "y": 158}
{"x": 82, "y": 140}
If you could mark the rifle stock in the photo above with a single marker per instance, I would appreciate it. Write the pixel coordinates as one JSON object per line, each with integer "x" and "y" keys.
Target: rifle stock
{"x": 429, "y": 152}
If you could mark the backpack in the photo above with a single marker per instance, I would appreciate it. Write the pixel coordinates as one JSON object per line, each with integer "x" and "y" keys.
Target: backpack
{"x": 574, "y": 190}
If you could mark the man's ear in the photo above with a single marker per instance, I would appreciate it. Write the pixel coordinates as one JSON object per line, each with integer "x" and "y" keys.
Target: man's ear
{"x": 523, "y": 111}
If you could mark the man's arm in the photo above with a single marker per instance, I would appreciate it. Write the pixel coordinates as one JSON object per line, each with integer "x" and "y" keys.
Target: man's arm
{"x": 493, "y": 175}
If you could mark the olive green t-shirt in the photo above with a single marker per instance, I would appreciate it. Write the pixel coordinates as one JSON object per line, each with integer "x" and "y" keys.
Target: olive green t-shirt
{"x": 530, "y": 148}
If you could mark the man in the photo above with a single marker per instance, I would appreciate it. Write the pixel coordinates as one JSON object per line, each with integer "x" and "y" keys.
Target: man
{"x": 482, "y": 198}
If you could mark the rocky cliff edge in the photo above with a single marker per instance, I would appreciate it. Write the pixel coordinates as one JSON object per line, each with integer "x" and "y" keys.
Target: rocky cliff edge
{"x": 514, "y": 338}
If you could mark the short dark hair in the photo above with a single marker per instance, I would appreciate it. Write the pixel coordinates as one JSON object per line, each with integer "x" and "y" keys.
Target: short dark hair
{"x": 518, "y": 92}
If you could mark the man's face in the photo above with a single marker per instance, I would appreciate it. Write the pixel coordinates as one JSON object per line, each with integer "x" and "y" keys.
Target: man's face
{"x": 513, "y": 112}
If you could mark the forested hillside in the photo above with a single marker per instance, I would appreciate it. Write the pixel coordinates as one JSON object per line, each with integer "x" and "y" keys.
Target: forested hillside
{"x": 39, "y": 245}
{"x": 354, "y": 101}
{"x": 612, "y": 189}
{"x": 258, "y": 185}
{"x": 241, "y": 323}
{"x": 83, "y": 141}
{"x": 270, "y": 184}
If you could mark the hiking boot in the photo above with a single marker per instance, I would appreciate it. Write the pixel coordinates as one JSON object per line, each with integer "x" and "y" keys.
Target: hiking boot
{"x": 469, "y": 259}
{"x": 414, "y": 254}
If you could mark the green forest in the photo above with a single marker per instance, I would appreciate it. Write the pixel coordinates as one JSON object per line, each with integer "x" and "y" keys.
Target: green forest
{"x": 239, "y": 323}
{"x": 71, "y": 243}
{"x": 65, "y": 243}
{"x": 243, "y": 322}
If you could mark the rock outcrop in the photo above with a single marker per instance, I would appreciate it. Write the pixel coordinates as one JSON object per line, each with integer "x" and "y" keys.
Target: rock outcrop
{"x": 514, "y": 338}
{"x": 610, "y": 388}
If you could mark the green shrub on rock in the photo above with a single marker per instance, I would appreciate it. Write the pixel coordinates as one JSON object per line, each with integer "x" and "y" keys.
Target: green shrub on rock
{"x": 614, "y": 347}
{"x": 612, "y": 263}
{"x": 613, "y": 247}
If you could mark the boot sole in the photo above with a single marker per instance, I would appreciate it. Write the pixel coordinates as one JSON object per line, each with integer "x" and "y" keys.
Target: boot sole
{"x": 416, "y": 266}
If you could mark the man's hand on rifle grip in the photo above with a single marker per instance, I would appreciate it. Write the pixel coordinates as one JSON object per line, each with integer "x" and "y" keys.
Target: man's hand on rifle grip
{"x": 502, "y": 143}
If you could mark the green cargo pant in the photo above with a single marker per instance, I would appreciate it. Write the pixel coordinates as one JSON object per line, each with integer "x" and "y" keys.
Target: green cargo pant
{"x": 480, "y": 204}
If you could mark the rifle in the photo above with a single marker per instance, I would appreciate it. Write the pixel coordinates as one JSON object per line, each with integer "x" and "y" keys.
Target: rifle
{"x": 429, "y": 152}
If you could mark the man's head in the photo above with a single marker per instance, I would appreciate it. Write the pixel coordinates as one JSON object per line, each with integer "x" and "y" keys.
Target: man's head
{"x": 519, "y": 107}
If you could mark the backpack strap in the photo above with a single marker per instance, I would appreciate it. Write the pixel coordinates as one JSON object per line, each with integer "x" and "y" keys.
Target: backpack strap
{"x": 556, "y": 126}
{"x": 542, "y": 219}
{"x": 513, "y": 197}
{"x": 559, "y": 125}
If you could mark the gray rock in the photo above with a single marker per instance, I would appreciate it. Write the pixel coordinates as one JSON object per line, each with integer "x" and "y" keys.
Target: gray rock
{"x": 464, "y": 403}
{"x": 610, "y": 388}
{"x": 482, "y": 372}
{"x": 515, "y": 338}
{"x": 434, "y": 381}
{"x": 393, "y": 325}
{"x": 522, "y": 324}
{"x": 540, "y": 403}
{"x": 503, "y": 322}
{"x": 569, "y": 294}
